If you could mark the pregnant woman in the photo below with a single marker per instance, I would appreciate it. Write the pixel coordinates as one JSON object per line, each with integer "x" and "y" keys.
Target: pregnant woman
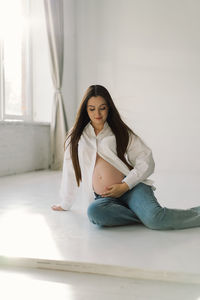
{"x": 113, "y": 164}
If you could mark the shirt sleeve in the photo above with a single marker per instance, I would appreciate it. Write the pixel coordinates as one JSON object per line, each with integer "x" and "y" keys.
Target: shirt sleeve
{"x": 140, "y": 157}
{"x": 68, "y": 187}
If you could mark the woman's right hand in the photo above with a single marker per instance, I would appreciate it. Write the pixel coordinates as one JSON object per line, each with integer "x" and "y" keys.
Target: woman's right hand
{"x": 57, "y": 207}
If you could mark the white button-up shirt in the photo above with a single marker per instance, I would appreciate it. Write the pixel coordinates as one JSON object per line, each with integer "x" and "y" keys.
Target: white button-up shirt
{"x": 138, "y": 154}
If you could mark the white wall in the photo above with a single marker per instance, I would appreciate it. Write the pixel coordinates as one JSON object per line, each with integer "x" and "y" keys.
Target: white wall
{"x": 24, "y": 147}
{"x": 147, "y": 53}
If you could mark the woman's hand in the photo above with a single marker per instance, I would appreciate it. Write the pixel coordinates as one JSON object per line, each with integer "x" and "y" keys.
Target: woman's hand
{"x": 57, "y": 207}
{"x": 116, "y": 190}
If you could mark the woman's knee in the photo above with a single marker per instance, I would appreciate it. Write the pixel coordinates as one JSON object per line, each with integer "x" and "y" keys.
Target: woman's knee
{"x": 95, "y": 213}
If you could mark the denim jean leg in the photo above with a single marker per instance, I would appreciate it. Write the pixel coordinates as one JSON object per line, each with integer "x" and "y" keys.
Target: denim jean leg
{"x": 142, "y": 201}
{"x": 109, "y": 211}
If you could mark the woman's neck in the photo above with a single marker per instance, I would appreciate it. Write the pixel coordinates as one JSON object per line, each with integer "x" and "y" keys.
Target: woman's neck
{"x": 97, "y": 129}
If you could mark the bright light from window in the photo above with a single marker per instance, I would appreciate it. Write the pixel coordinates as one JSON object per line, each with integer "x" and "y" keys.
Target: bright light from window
{"x": 12, "y": 30}
{"x": 33, "y": 238}
{"x": 10, "y": 17}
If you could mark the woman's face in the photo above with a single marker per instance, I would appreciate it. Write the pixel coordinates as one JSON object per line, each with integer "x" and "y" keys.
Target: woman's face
{"x": 97, "y": 110}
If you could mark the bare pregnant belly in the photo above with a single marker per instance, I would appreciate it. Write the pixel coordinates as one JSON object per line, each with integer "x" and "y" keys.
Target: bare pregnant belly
{"x": 104, "y": 175}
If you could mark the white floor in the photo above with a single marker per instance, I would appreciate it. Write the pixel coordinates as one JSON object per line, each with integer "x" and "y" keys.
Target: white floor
{"x": 33, "y": 235}
{"x": 25, "y": 283}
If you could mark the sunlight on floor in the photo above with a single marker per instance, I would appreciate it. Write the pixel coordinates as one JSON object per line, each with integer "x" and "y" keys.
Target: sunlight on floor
{"x": 27, "y": 235}
{"x": 15, "y": 284}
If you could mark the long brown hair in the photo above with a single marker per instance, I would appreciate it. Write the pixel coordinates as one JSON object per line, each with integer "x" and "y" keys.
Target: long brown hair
{"x": 118, "y": 127}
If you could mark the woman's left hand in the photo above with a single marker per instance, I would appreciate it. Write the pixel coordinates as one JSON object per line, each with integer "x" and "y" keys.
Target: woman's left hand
{"x": 116, "y": 190}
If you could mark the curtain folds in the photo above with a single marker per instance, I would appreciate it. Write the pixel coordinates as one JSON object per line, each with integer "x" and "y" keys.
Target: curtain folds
{"x": 54, "y": 25}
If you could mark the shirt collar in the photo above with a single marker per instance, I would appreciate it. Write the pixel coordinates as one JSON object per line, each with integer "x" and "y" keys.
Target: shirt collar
{"x": 90, "y": 128}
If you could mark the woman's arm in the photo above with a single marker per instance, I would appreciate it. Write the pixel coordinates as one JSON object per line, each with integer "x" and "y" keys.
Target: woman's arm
{"x": 141, "y": 158}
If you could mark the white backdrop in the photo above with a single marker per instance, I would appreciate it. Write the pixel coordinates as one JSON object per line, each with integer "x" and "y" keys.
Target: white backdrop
{"x": 147, "y": 53}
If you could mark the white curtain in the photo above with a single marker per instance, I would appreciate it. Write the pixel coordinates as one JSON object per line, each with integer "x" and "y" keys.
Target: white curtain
{"x": 54, "y": 25}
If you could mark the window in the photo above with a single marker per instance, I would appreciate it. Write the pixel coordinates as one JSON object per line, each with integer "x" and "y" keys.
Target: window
{"x": 15, "y": 96}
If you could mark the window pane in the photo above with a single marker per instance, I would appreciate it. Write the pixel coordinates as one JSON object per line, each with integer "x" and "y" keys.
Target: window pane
{"x": 12, "y": 67}
{"x": 13, "y": 60}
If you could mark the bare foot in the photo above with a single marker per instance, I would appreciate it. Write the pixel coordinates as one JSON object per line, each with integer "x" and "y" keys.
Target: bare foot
{"x": 57, "y": 207}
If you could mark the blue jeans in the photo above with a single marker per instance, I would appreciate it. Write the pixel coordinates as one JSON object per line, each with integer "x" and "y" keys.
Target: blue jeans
{"x": 139, "y": 205}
